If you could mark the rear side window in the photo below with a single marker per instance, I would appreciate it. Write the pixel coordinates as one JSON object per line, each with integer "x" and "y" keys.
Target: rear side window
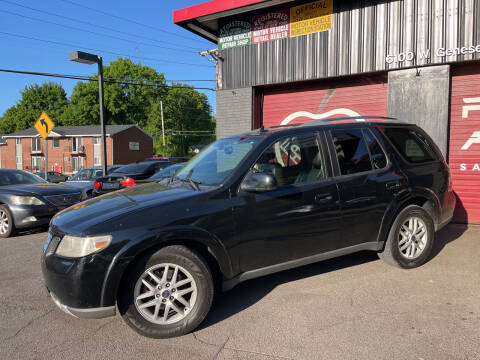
{"x": 352, "y": 151}
{"x": 410, "y": 144}
{"x": 379, "y": 159}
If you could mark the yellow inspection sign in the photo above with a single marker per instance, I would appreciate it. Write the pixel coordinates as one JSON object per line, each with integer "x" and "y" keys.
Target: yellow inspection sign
{"x": 44, "y": 125}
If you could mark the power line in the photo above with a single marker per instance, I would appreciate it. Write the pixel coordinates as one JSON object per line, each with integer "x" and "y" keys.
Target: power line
{"x": 126, "y": 19}
{"x": 96, "y": 25}
{"x": 156, "y": 84}
{"x": 160, "y": 61}
{"x": 90, "y": 31}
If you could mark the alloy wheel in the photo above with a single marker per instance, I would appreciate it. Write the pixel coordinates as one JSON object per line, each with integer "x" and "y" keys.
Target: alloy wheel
{"x": 412, "y": 237}
{"x": 4, "y": 224}
{"x": 165, "y": 294}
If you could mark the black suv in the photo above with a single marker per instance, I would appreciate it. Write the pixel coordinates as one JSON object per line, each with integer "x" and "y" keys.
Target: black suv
{"x": 247, "y": 206}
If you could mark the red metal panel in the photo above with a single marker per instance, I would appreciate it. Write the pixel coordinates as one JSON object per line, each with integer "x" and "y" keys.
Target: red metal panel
{"x": 210, "y": 7}
{"x": 329, "y": 99}
{"x": 464, "y": 146}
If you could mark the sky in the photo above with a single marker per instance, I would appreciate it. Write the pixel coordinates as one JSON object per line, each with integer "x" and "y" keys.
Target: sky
{"x": 140, "y": 37}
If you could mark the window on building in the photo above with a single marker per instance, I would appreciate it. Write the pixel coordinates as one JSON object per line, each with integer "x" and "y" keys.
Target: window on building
{"x": 36, "y": 163}
{"x": 36, "y": 144}
{"x": 56, "y": 142}
{"x": 19, "y": 162}
{"x": 294, "y": 160}
{"x": 352, "y": 151}
{"x": 96, "y": 140}
{"x": 379, "y": 159}
{"x": 77, "y": 163}
{"x": 18, "y": 141}
{"x": 77, "y": 144}
{"x": 411, "y": 145}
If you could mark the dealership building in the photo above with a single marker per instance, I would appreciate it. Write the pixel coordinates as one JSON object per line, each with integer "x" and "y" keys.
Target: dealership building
{"x": 284, "y": 62}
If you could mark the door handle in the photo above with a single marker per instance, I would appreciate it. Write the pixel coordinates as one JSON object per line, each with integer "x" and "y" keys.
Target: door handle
{"x": 323, "y": 198}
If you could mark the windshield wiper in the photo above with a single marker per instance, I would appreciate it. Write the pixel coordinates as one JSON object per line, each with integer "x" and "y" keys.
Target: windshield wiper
{"x": 193, "y": 183}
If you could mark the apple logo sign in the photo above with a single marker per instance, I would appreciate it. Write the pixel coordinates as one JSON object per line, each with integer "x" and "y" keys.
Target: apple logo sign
{"x": 341, "y": 111}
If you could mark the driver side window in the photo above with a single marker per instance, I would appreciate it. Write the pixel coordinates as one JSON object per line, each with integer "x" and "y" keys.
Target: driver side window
{"x": 294, "y": 160}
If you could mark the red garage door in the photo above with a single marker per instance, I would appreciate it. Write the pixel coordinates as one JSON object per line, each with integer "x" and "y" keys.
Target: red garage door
{"x": 464, "y": 147}
{"x": 298, "y": 104}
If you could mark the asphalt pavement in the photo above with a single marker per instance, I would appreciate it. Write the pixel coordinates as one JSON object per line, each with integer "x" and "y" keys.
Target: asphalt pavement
{"x": 353, "y": 307}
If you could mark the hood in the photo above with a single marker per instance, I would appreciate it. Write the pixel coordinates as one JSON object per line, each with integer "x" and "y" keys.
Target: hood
{"x": 46, "y": 189}
{"x": 78, "y": 219}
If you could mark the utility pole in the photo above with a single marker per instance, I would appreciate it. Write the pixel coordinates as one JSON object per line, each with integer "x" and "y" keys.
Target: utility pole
{"x": 163, "y": 130}
{"x": 46, "y": 160}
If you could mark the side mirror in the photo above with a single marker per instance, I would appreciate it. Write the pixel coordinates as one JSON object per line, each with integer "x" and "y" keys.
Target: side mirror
{"x": 259, "y": 182}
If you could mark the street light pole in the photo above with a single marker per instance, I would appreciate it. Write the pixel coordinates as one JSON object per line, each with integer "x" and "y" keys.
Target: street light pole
{"x": 102, "y": 115}
{"x": 86, "y": 58}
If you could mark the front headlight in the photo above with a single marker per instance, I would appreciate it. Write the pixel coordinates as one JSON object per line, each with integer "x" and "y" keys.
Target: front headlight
{"x": 26, "y": 200}
{"x": 73, "y": 246}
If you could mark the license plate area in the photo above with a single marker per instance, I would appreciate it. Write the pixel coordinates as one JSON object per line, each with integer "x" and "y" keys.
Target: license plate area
{"x": 111, "y": 186}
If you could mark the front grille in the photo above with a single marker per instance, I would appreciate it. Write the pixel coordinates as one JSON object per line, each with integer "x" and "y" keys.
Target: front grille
{"x": 64, "y": 199}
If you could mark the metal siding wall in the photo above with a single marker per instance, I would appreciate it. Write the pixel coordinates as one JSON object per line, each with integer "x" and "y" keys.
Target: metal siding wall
{"x": 362, "y": 35}
{"x": 422, "y": 99}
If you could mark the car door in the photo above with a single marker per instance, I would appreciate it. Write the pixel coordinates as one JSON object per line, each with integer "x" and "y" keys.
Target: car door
{"x": 300, "y": 217}
{"x": 363, "y": 173}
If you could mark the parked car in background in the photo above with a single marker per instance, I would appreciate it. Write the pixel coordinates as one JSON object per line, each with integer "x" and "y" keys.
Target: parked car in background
{"x": 247, "y": 206}
{"x": 85, "y": 179}
{"x": 172, "y": 159}
{"x": 167, "y": 172}
{"x": 28, "y": 201}
{"x": 126, "y": 176}
{"x": 53, "y": 176}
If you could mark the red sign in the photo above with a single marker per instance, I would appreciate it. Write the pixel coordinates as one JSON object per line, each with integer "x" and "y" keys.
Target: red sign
{"x": 271, "y": 26}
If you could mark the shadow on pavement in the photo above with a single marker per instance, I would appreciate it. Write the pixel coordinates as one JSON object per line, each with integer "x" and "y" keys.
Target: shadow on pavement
{"x": 248, "y": 293}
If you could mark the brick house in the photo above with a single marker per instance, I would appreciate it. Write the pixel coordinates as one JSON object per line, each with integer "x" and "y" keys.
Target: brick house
{"x": 71, "y": 148}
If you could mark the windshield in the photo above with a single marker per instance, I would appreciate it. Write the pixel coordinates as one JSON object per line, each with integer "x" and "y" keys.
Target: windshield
{"x": 18, "y": 177}
{"x": 133, "y": 168}
{"x": 167, "y": 172}
{"x": 83, "y": 175}
{"x": 216, "y": 162}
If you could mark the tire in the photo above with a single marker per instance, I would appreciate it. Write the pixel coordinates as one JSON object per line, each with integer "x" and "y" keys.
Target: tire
{"x": 7, "y": 226}
{"x": 196, "y": 303}
{"x": 401, "y": 248}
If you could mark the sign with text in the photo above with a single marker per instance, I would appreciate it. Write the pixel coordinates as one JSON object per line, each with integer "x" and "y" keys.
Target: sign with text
{"x": 271, "y": 26}
{"x": 311, "y": 18}
{"x": 235, "y": 33}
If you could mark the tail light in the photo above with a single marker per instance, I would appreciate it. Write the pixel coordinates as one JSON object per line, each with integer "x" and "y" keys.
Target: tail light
{"x": 97, "y": 184}
{"x": 128, "y": 182}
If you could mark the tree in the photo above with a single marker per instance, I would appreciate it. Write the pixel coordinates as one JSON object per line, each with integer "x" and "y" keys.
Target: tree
{"x": 124, "y": 103}
{"x": 187, "y": 110}
{"x": 49, "y": 97}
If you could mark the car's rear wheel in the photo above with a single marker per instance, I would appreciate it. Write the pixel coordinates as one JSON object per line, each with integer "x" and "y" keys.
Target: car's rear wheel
{"x": 7, "y": 227}
{"x": 410, "y": 240}
{"x": 167, "y": 293}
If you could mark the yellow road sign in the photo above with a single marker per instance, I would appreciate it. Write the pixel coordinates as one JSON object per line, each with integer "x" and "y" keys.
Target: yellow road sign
{"x": 44, "y": 125}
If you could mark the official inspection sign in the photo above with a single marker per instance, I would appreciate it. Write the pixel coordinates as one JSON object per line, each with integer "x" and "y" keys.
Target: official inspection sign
{"x": 311, "y": 18}
{"x": 44, "y": 125}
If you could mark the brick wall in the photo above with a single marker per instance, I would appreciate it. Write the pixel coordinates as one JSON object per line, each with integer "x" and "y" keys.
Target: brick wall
{"x": 234, "y": 111}
{"x": 57, "y": 156}
{"x": 121, "y": 150}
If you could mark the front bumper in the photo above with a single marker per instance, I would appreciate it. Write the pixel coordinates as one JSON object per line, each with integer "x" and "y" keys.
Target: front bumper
{"x": 25, "y": 216}
{"x": 76, "y": 284}
{"x": 88, "y": 313}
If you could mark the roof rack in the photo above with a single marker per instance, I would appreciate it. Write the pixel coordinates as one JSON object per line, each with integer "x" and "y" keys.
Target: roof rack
{"x": 357, "y": 118}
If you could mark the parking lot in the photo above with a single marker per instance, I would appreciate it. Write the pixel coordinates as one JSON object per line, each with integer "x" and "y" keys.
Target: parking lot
{"x": 354, "y": 307}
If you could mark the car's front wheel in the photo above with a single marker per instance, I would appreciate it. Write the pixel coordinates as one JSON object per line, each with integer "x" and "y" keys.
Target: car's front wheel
{"x": 168, "y": 293}
{"x": 410, "y": 240}
{"x": 7, "y": 227}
